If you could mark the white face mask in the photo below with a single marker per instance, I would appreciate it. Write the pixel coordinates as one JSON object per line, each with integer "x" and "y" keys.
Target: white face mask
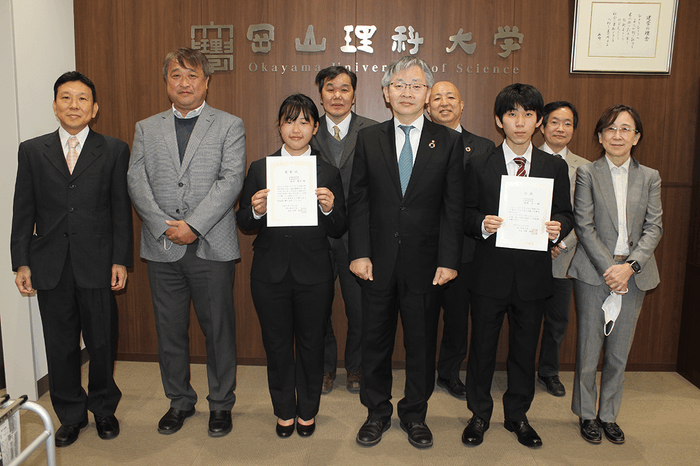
{"x": 611, "y": 308}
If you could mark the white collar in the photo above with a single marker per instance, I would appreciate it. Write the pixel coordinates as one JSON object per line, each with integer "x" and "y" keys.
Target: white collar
{"x": 193, "y": 114}
{"x": 65, "y": 135}
{"x": 545, "y": 147}
{"x": 417, "y": 124}
{"x": 287, "y": 154}
{"x": 510, "y": 155}
{"x": 625, "y": 165}
{"x": 343, "y": 126}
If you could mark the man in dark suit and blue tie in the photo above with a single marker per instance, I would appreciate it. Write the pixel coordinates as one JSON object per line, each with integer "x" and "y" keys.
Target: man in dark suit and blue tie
{"x": 72, "y": 241}
{"x": 445, "y": 107}
{"x": 515, "y": 282}
{"x": 406, "y": 212}
{"x": 335, "y": 143}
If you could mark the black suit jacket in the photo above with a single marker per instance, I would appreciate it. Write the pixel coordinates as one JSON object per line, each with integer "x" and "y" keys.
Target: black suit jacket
{"x": 426, "y": 222}
{"x": 473, "y": 145}
{"x": 496, "y": 268}
{"x": 304, "y": 250}
{"x": 87, "y": 212}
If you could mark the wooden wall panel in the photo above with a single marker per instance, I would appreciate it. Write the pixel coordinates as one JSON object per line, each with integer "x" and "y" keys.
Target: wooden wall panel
{"x": 120, "y": 45}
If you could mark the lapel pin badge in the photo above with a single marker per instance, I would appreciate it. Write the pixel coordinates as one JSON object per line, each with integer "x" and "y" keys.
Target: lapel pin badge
{"x": 468, "y": 149}
{"x": 432, "y": 144}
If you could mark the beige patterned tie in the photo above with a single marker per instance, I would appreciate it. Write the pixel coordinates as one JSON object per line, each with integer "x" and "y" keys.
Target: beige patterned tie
{"x": 72, "y": 156}
{"x": 336, "y": 132}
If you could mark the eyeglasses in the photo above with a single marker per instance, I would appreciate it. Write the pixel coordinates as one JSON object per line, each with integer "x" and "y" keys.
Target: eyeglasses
{"x": 624, "y": 130}
{"x": 413, "y": 87}
{"x": 567, "y": 124}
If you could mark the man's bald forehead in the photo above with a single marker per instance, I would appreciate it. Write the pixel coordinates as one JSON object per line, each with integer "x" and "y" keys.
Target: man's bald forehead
{"x": 445, "y": 87}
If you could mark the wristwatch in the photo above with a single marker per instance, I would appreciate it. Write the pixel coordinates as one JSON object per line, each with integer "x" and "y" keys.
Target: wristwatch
{"x": 636, "y": 268}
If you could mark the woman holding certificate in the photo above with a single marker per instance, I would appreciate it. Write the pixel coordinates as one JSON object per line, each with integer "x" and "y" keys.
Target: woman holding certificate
{"x": 291, "y": 276}
{"x": 617, "y": 207}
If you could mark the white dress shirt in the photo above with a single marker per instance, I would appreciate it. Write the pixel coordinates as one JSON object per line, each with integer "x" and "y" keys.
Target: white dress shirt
{"x": 414, "y": 135}
{"x": 343, "y": 126}
{"x": 620, "y": 177}
{"x": 64, "y": 136}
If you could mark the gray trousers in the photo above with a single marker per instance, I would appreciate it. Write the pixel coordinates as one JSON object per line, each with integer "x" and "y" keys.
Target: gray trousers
{"x": 209, "y": 284}
{"x": 592, "y": 341}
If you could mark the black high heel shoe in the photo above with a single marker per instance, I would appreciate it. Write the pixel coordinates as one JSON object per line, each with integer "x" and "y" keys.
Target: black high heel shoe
{"x": 305, "y": 431}
{"x": 284, "y": 431}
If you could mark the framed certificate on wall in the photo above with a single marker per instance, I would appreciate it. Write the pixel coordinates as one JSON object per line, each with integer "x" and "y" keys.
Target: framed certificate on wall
{"x": 623, "y": 37}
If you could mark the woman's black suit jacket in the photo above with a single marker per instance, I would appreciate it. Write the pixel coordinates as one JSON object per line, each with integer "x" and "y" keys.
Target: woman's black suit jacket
{"x": 303, "y": 249}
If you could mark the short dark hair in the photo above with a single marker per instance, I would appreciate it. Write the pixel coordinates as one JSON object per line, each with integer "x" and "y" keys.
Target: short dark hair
{"x": 187, "y": 57}
{"x": 554, "y": 106}
{"x": 72, "y": 76}
{"x": 610, "y": 115}
{"x": 332, "y": 72}
{"x": 524, "y": 95}
{"x": 296, "y": 104}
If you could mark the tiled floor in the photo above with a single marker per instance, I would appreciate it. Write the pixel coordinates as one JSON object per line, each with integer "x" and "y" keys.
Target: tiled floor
{"x": 660, "y": 416}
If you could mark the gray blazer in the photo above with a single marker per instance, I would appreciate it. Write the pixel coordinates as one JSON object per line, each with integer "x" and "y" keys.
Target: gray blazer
{"x": 201, "y": 191}
{"x": 321, "y": 143}
{"x": 561, "y": 264}
{"x": 595, "y": 211}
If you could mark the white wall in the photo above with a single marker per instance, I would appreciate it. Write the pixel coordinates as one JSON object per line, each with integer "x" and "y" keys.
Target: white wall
{"x": 37, "y": 43}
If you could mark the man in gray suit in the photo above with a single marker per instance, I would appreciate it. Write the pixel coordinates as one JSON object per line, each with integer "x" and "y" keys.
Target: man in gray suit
{"x": 186, "y": 172}
{"x": 618, "y": 222}
{"x": 558, "y": 125}
{"x": 335, "y": 141}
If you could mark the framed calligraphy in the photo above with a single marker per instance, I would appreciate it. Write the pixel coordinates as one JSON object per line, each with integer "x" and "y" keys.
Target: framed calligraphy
{"x": 623, "y": 37}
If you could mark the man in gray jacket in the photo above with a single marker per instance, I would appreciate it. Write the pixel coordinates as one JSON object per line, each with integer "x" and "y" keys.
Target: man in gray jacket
{"x": 558, "y": 125}
{"x": 186, "y": 172}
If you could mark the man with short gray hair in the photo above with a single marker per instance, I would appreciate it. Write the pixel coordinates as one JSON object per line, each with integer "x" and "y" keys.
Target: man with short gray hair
{"x": 405, "y": 212}
{"x": 186, "y": 172}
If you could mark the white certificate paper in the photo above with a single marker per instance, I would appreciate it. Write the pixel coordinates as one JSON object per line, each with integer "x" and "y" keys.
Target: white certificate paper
{"x": 525, "y": 204}
{"x": 292, "y": 199}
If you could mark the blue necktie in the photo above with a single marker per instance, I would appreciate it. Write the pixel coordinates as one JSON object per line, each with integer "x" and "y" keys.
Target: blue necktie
{"x": 405, "y": 159}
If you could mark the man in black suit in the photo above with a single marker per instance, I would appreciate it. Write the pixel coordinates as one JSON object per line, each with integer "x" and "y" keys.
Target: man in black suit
{"x": 335, "y": 142}
{"x": 406, "y": 210}
{"x": 72, "y": 241}
{"x": 445, "y": 107}
{"x": 510, "y": 281}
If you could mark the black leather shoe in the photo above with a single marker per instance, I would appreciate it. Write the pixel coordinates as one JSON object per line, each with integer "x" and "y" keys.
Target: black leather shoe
{"x": 590, "y": 431}
{"x": 284, "y": 431}
{"x": 526, "y": 434}
{"x": 553, "y": 385}
{"x": 612, "y": 431}
{"x": 68, "y": 434}
{"x": 454, "y": 387}
{"x": 371, "y": 432}
{"x": 419, "y": 434}
{"x": 219, "y": 423}
{"x": 107, "y": 427}
{"x": 305, "y": 431}
{"x": 474, "y": 432}
{"x": 172, "y": 421}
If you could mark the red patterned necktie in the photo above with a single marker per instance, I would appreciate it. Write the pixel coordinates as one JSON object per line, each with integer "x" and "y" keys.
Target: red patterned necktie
{"x": 520, "y": 161}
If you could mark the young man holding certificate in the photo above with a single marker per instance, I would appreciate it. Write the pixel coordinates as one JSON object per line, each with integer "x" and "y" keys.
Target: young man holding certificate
{"x": 512, "y": 281}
